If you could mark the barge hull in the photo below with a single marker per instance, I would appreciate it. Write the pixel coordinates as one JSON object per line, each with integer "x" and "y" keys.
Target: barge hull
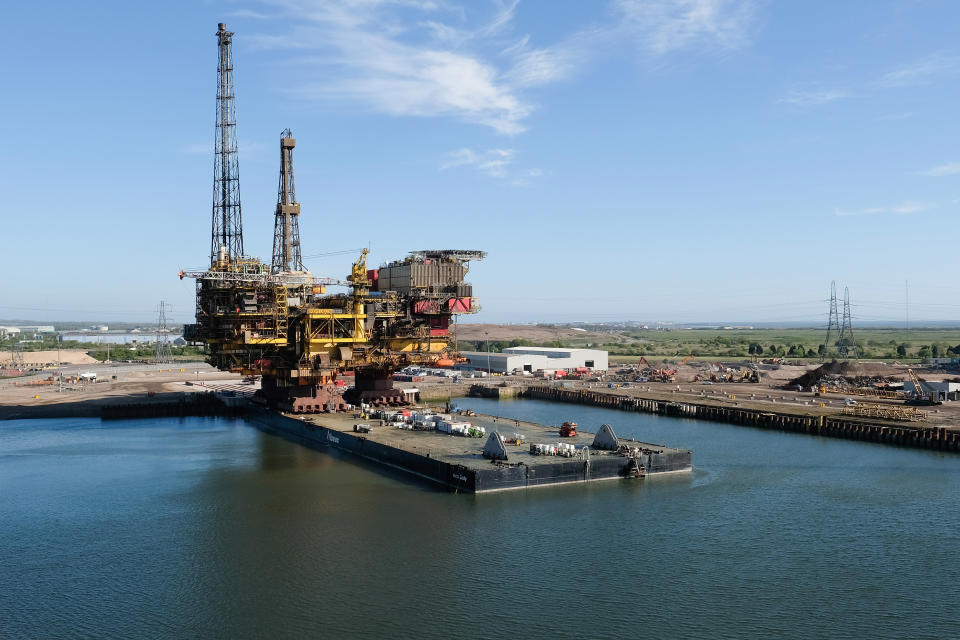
{"x": 474, "y": 475}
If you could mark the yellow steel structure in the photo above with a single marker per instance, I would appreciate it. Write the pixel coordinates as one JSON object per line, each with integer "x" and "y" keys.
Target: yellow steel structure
{"x": 277, "y": 319}
{"x": 280, "y": 325}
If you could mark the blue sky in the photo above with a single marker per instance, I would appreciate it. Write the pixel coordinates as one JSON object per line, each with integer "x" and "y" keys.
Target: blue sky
{"x": 674, "y": 160}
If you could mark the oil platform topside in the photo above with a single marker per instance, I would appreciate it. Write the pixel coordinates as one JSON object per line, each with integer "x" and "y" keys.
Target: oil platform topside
{"x": 278, "y": 321}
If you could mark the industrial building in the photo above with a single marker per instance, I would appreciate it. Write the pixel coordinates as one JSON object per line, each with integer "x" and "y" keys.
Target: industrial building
{"x": 533, "y": 359}
{"x": 945, "y": 390}
{"x": 31, "y": 330}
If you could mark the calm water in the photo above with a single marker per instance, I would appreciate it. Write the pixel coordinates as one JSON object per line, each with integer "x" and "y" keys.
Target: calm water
{"x": 209, "y": 528}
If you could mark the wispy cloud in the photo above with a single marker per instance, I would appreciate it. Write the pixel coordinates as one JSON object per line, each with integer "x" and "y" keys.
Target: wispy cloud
{"x": 402, "y": 81}
{"x": 424, "y": 58}
{"x": 506, "y": 10}
{"x": 540, "y": 66}
{"x": 494, "y": 163}
{"x": 911, "y": 206}
{"x": 248, "y": 13}
{"x": 904, "y": 208}
{"x": 921, "y": 71}
{"x": 916, "y": 73}
{"x": 815, "y": 98}
{"x": 664, "y": 26}
{"x": 370, "y": 52}
{"x": 949, "y": 169}
{"x": 894, "y": 116}
{"x": 459, "y": 158}
{"x": 525, "y": 177}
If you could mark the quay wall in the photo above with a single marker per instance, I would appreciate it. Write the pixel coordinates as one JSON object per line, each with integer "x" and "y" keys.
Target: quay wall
{"x": 194, "y": 404}
{"x": 484, "y": 391}
{"x": 938, "y": 438}
{"x": 162, "y": 405}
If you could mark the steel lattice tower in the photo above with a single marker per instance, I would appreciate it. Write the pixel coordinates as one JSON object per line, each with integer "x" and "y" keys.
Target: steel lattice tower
{"x": 227, "y": 230}
{"x": 846, "y": 344}
{"x": 16, "y": 355}
{"x": 833, "y": 324}
{"x": 162, "y": 352}
{"x": 286, "y": 226}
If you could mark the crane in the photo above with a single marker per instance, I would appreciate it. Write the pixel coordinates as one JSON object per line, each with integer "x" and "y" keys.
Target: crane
{"x": 922, "y": 393}
{"x": 275, "y": 320}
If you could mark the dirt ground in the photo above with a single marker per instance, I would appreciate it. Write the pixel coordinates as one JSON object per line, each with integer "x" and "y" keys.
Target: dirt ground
{"x": 763, "y": 396}
{"x": 766, "y": 395}
{"x": 26, "y": 400}
{"x": 782, "y": 374}
{"x": 139, "y": 383}
{"x": 45, "y": 358}
{"x": 533, "y": 333}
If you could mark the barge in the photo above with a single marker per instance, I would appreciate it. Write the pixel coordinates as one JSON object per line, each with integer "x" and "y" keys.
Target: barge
{"x": 512, "y": 454}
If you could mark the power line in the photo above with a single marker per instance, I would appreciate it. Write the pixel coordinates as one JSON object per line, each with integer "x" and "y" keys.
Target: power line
{"x": 162, "y": 353}
{"x": 833, "y": 322}
{"x": 342, "y": 252}
{"x": 847, "y": 340}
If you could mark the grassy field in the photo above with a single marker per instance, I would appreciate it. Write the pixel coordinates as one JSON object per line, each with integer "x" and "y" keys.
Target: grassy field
{"x": 100, "y": 351}
{"x": 800, "y": 344}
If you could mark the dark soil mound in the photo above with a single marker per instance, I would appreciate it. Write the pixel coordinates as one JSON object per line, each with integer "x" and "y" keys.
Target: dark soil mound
{"x": 830, "y": 370}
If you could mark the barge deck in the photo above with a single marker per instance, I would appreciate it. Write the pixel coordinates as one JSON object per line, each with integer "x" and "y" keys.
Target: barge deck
{"x": 458, "y": 462}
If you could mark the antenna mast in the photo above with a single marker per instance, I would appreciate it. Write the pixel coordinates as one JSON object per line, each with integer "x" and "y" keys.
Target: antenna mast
{"x": 286, "y": 226}
{"x": 226, "y": 242}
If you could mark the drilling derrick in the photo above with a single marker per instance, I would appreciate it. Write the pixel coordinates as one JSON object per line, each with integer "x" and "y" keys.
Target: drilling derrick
{"x": 286, "y": 225}
{"x": 276, "y": 320}
{"x": 226, "y": 242}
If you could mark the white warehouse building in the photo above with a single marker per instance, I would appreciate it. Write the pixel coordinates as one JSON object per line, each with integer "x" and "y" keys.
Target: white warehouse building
{"x": 945, "y": 390}
{"x": 531, "y": 359}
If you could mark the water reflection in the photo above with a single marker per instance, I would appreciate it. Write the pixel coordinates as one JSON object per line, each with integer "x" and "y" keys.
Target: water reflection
{"x": 211, "y": 528}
